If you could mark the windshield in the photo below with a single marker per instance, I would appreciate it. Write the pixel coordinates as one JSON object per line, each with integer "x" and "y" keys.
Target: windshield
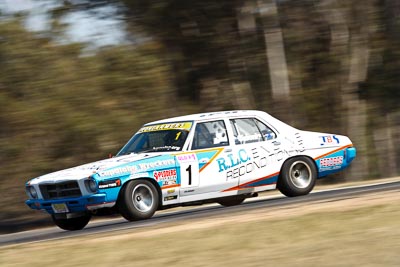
{"x": 158, "y": 138}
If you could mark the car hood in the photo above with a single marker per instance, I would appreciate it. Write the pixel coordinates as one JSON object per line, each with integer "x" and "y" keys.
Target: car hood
{"x": 101, "y": 167}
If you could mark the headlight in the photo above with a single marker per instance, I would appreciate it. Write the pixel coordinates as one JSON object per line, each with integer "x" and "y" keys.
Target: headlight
{"x": 31, "y": 192}
{"x": 91, "y": 185}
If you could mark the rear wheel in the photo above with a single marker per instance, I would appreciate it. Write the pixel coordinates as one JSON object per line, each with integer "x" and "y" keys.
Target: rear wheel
{"x": 138, "y": 200}
{"x": 231, "y": 201}
{"x": 297, "y": 177}
{"x": 72, "y": 224}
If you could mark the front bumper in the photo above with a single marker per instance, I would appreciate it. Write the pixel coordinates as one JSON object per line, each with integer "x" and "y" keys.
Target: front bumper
{"x": 84, "y": 203}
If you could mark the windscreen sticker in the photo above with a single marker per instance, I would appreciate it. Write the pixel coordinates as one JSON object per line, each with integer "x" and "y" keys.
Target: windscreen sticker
{"x": 167, "y": 126}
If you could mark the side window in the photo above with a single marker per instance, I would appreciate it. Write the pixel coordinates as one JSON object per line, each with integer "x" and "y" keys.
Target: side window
{"x": 210, "y": 134}
{"x": 266, "y": 132}
{"x": 246, "y": 131}
{"x": 250, "y": 131}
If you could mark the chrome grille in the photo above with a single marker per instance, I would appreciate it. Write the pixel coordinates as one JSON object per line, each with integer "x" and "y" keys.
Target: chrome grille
{"x": 60, "y": 190}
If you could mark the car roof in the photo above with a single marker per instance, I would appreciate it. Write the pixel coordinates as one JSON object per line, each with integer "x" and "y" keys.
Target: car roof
{"x": 212, "y": 115}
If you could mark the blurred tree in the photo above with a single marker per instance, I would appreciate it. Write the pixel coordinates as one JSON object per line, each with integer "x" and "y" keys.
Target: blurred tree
{"x": 350, "y": 45}
{"x": 275, "y": 49}
{"x": 59, "y": 108}
{"x": 204, "y": 45}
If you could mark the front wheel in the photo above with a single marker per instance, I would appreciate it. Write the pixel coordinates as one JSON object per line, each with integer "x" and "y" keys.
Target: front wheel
{"x": 72, "y": 224}
{"x": 298, "y": 177}
{"x": 138, "y": 200}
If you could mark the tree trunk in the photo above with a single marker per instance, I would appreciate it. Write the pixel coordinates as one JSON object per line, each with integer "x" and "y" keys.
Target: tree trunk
{"x": 275, "y": 49}
{"x": 276, "y": 57}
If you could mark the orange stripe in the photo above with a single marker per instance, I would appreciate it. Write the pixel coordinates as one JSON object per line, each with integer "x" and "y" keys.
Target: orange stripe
{"x": 334, "y": 151}
{"x": 170, "y": 186}
{"x": 219, "y": 151}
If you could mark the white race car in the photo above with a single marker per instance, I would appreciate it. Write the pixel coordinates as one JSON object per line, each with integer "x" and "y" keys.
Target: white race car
{"x": 222, "y": 157}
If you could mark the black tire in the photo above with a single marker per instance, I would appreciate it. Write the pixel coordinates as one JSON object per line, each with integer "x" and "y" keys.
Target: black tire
{"x": 298, "y": 176}
{"x": 138, "y": 200}
{"x": 72, "y": 224}
{"x": 231, "y": 201}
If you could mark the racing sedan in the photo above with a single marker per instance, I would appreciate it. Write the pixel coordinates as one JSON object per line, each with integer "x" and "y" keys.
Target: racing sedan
{"x": 222, "y": 157}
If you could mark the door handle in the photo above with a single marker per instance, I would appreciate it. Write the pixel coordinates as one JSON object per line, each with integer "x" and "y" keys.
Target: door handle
{"x": 277, "y": 143}
{"x": 227, "y": 150}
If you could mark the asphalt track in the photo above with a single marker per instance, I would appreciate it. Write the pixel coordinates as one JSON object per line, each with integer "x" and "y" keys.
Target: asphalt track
{"x": 178, "y": 215}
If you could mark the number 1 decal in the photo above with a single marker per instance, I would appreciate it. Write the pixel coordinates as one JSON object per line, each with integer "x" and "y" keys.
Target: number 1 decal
{"x": 177, "y": 136}
{"x": 189, "y": 170}
{"x": 189, "y": 173}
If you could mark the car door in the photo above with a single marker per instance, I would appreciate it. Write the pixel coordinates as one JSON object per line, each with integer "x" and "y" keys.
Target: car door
{"x": 202, "y": 177}
{"x": 253, "y": 162}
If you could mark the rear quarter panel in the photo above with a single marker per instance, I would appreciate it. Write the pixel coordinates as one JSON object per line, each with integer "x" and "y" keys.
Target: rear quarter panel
{"x": 330, "y": 152}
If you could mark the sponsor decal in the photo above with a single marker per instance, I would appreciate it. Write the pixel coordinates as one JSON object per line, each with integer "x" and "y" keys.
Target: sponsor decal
{"x": 333, "y": 161}
{"x": 166, "y": 177}
{"x": 117, "y": 171}
{"x": 169, "y": 198}
{"x": 189, "y": 191}
{"x": 246, "y": 164}
{"x": 233, "y": 160}
{"x": 299, "y": 141}
{"x": 329, "y": 139}
{"x": 186, "y": 158}
{"x": 165, "y": 174}
{"x": 247, "y": 161}
{"x": 166, "y": 147}
{"x": 171, "y": 191}
{"x": 138, "y": 167}
{"x": 167, "y": 126}
{"x": 139, "y": 175}
{"x": 156, "y": 164}
{"x": 109, "y": 184}
{"x": 249, "y": 138}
